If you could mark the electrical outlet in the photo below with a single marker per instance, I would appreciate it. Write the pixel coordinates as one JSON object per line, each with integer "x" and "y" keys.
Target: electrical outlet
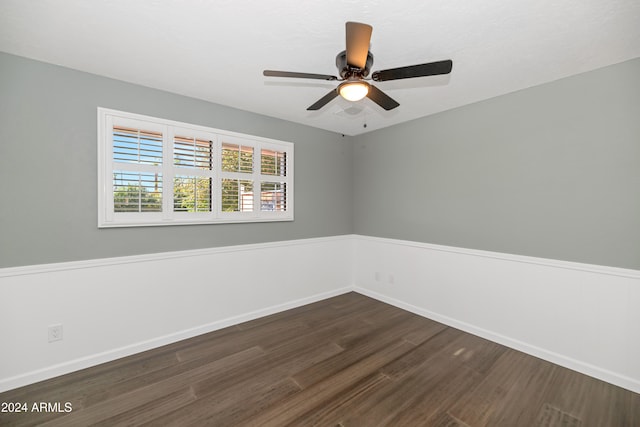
{"x": 377, "y": 275}
{"x": 55, "y": 332}
{"x": 392, "y": 279}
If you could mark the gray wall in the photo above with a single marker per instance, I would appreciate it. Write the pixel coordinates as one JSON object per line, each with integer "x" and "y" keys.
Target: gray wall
{"x": 552, "y": 171}
{"x": 48, "y": 178}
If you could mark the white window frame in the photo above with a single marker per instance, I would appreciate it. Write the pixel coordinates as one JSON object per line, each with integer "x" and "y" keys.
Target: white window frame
{"x": 107, "y": 118}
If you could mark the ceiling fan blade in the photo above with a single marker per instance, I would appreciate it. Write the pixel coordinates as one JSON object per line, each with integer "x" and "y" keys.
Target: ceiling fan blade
{"x": 381, "y": 98}
{"x": 429, "y": 69}
{"x": 323, "y": 101}
{"x": 273, "y": 73}
{"x": 358, "y": 38}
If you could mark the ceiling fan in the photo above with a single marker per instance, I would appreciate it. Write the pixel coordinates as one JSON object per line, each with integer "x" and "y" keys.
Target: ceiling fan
{"x": 354, "y": 65}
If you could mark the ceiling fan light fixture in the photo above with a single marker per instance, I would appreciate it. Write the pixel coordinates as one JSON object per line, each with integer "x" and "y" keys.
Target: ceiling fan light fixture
{"x": 353, "y": 90}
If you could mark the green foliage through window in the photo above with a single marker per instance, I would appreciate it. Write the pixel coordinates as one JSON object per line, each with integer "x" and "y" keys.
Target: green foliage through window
{"x": 137, "y": 192}
{"x": 273, "y": 163}
{"x": 237, "y": 158}
{"x": 191, "y": 194}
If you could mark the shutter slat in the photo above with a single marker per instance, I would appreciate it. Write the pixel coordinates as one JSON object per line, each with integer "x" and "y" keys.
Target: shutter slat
{"x": 273, "y": 196}
{"x": 137, "y": 146}
{"x": 137, "y": 192}
{"x": 193, "y": 153}
{"x": 237, "y": 158}
{"x": 237, "y": 195}
{"x": 192, "y": 194}
{"x": 273, "y": 162}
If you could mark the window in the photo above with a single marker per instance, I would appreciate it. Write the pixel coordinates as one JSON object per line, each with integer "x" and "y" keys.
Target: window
{"x": 160, "y": 172}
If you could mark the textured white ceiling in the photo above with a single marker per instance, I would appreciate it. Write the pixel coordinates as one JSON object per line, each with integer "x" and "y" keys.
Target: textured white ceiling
{"x": 216, "y": 50}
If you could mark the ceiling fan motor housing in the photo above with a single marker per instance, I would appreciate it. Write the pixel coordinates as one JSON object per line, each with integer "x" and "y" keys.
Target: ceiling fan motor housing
{"x": 347, "y": 71}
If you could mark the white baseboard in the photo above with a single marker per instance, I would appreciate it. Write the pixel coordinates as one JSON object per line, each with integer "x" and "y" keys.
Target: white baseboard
{"x": 110, "y": 355}
{"x": 558, "y": 359}
{"x": 111, "y": 308}
{"x": 580, "y": 316}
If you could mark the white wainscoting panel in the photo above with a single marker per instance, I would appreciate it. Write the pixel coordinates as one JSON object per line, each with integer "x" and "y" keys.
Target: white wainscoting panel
{"x": 580, "y": 316}
{"x": 115, "y": 307}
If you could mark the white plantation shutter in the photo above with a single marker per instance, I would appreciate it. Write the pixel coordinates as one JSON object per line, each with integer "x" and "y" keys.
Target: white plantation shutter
{"x": 193, "y": 161}
{"x": 137, "y": 146}
{"x": 137, "y": 191}
{"x": 137, "y": 176}
{"x": 273, "y": 162}
{"x": 192, "y": 152}
{"x": 192, "y": 194}
{"x": 237, "y": 158}
{"x": 237, "y": 195}
{"x": 273, "y": 196}
{"x": 236, "y": 176}
{"x": 268, "y": 191}
{"x": 273, "y": 193}
{"x": 160, "y": 172}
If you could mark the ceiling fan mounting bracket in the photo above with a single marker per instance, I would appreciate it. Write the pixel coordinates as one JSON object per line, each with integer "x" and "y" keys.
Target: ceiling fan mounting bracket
{"x": 347, "y": 71}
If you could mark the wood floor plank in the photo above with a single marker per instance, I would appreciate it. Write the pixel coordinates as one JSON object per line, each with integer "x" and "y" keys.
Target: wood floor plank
{"x": 173, "y": 371}
{"x": 476, "y": 353}
{"x": 64, "y": 388}
{"x": 256, "y": 388}
{"x": 356, "y": 348}
{"x": 340, "y": 406}
{"x": 275, "y": 365}
{"x": 314, "y": 396}
{"x": 344, "y": 361}
{"x": 434, "y": 395}
{"x": 421, "y": 354}
{"x": 414, "y": 397}
{"x": 143, "y": 395}
{"x": 444, "y": 419}
{"x": 272, "y": 333}
{"x": 592, "y": 401}
{"x": 151, "y": 411}
{"x": 515, "y": 376}
{"x": 222, "y": 408}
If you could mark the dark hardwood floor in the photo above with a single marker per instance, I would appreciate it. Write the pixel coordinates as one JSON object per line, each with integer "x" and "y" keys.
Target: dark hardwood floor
{"x": 345, "y": 361}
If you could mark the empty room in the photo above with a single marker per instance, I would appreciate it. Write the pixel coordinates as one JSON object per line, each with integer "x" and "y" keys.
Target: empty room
{"x": 334, "y": 213}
